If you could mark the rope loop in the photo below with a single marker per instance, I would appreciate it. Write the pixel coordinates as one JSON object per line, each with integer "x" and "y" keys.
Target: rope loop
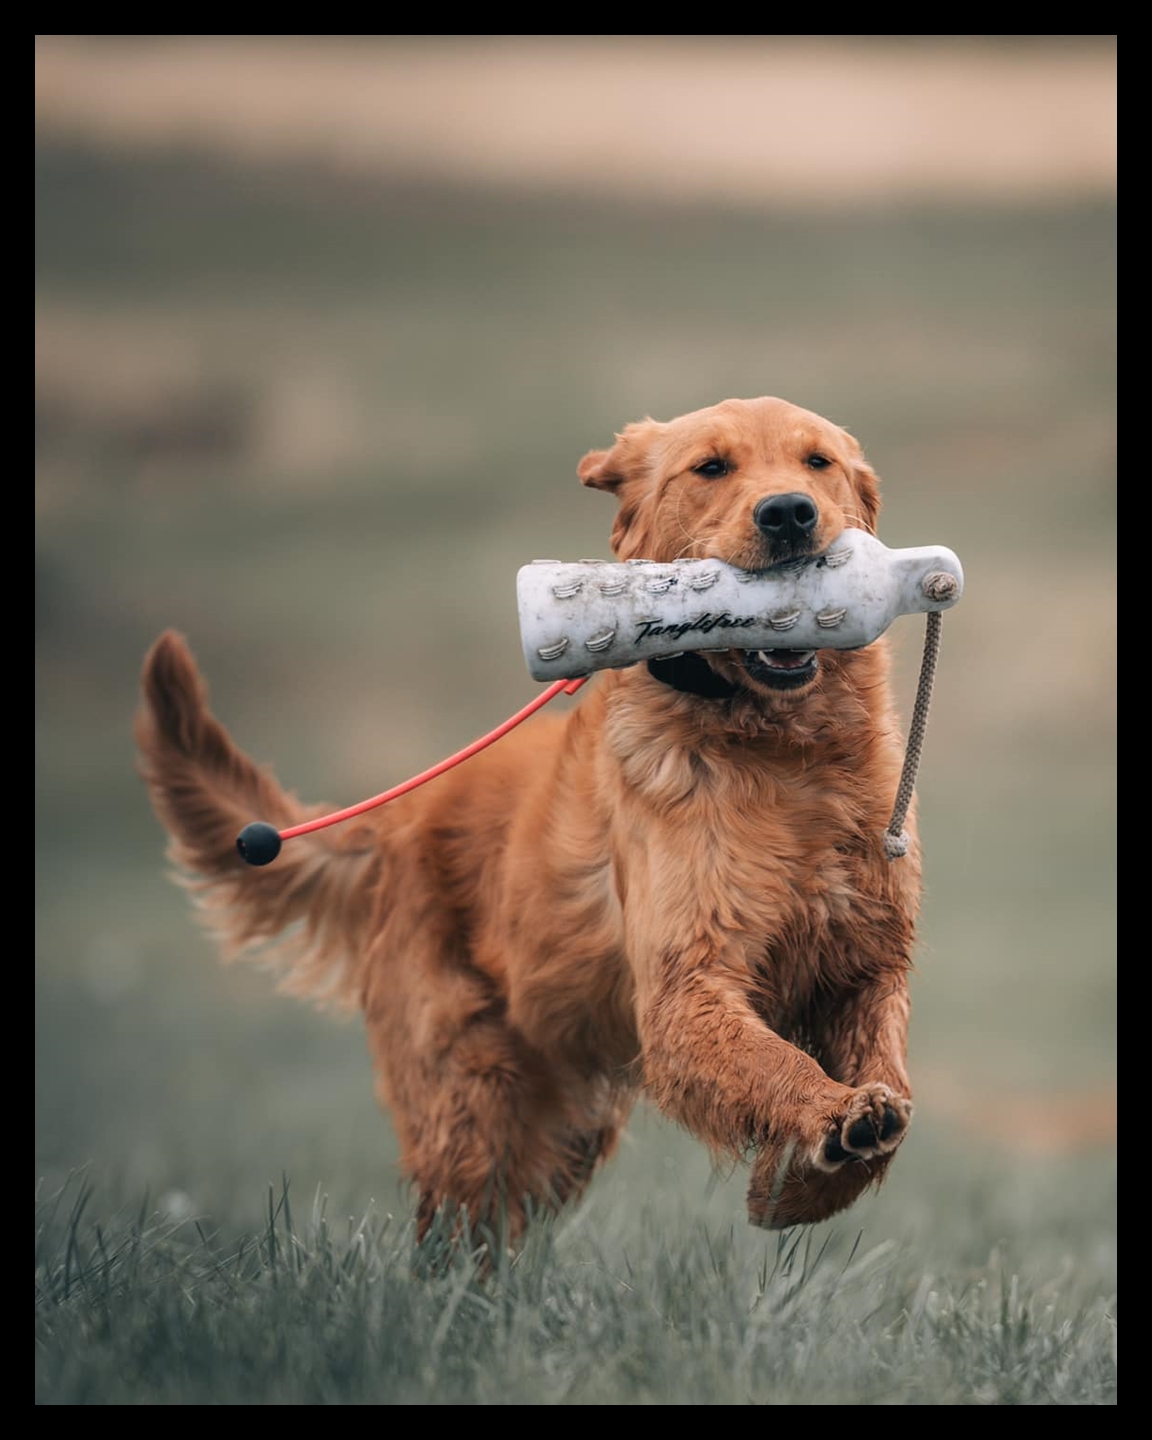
{"x": 896, "y": 839}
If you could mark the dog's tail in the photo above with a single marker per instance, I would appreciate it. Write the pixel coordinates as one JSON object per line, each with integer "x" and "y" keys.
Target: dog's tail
{"x": 308, "y": 912}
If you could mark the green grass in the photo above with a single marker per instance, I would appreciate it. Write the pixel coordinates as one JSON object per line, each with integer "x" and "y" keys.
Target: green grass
{"x": 136, "y": 1308}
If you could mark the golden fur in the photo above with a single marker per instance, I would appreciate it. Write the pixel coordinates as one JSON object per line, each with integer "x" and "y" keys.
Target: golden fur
{"x": 653, "y": 892}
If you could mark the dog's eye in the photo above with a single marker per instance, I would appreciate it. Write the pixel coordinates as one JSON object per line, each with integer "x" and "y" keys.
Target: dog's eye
{"x": 712, "y": 469}
{"x": 818, "y": 462}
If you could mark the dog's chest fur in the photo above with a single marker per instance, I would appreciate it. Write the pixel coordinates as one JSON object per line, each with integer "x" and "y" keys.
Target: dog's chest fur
{"x": 777, "y": 835}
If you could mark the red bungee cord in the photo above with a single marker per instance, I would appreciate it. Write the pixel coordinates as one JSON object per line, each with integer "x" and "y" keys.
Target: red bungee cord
{"x": 259, "y": 843}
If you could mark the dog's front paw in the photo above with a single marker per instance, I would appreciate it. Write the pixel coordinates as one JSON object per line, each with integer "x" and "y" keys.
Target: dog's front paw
{"x": 872, "y": 1124}
{"x": 801, "y": 1182}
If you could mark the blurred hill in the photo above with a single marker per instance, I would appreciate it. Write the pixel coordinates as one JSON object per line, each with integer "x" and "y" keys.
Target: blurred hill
{"x": 814, "y": 121}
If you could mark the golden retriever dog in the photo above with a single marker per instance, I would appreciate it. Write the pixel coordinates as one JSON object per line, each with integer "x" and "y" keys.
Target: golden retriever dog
{"x": 676, "y": 888}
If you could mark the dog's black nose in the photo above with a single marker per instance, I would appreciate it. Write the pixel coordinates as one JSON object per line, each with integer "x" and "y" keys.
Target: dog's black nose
{"x": 786, "y": 517}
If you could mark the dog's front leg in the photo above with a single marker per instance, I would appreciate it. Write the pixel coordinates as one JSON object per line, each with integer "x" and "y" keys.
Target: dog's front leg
{"x": 861, "y": 1038}
{"x": 711, "y": 1063}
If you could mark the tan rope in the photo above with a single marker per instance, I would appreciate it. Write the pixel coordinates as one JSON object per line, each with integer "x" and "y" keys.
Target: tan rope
{"x": 896, "y": 839}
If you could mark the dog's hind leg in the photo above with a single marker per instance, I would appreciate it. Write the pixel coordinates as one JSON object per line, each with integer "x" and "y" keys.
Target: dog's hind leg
{"x": 485, "y": 1131}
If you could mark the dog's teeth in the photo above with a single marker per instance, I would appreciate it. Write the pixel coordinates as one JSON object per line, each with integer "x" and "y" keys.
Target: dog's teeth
{"x": 802, "y": 657}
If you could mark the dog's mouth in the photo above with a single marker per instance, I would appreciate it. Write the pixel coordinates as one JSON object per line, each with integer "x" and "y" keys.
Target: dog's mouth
{"x": 780, "y": 669}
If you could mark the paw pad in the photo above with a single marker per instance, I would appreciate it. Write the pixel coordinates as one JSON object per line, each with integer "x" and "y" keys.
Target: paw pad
{"x": 876, "y": 1132}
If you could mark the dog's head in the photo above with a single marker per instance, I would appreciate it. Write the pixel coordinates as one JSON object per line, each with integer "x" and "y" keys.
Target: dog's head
{"x": 755, "y": 483}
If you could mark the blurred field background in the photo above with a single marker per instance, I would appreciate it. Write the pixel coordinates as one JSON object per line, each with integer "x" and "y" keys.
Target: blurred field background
{"x": 323, "y": 326}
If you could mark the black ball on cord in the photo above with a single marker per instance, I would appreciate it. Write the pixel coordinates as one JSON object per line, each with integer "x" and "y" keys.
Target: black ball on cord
{"x": 259, "y": 843}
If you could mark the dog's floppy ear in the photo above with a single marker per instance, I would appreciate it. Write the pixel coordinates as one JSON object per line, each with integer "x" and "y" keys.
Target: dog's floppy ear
{"x": 596, "y": 471}
{"x": 630, "y": 459}
{"x": 867, "y": 486}
{"x": 608, "y": 469}
{"x": 866, "y": 483}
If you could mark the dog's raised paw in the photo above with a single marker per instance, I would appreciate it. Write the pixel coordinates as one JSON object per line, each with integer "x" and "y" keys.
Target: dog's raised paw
{"x": 874, "y": 1123}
